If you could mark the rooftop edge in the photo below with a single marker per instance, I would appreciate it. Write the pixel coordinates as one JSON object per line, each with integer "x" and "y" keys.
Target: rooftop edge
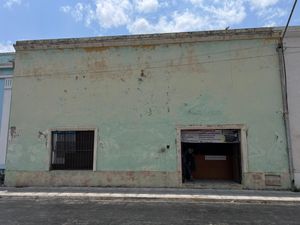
{"x": 150, "y": 39}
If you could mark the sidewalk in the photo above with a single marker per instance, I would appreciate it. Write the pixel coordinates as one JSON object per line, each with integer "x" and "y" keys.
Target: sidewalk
{"x": 166, "y": 194}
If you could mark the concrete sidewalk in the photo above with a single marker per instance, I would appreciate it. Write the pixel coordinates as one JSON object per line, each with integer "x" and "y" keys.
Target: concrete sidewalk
{"x": 166, "y": 194}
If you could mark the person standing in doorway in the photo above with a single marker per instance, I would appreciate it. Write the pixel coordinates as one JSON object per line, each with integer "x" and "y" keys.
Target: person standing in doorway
{"x": 188, "y": 164}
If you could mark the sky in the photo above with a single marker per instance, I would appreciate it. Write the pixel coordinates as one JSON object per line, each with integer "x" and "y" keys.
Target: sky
{"x": 50, "y": 19}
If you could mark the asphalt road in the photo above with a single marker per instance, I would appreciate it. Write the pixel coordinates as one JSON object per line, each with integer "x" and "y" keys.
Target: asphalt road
{"x": 15, "y": 211}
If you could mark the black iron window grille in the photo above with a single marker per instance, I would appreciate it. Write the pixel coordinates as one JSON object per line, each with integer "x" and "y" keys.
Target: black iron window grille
{"x": 72, "y": 150}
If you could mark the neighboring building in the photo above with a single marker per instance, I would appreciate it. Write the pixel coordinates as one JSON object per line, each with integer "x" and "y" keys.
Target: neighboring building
{"x": 292, "y": 63}
{"x": 125, "y": 110}
{"x": 6, "y": 73}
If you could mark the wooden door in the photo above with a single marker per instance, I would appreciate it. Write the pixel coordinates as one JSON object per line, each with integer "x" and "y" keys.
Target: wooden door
{"x": 208, "y": 168}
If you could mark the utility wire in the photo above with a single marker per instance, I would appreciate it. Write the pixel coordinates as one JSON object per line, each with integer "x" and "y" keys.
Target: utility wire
{"x": 287, "y": 24}
{"x": 145, "y": 67}
{"x": 208, "y": 58}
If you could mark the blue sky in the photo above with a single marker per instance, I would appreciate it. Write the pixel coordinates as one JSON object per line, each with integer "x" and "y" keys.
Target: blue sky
{"x": 44, "y": 19}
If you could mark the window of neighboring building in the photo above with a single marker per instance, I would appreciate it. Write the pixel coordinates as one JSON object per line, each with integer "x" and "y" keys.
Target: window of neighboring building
{"x": 72, "y": 150}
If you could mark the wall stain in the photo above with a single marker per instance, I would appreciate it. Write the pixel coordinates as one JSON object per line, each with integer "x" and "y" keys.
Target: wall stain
{"x": 99, "y": 64}
{"x": 151, "y": 47}
{"x": 130, "y": 176}
{"x": 96, "y": 49}
{"x": 13, "y": 132}
{"x": 43, "y": 136}
{"x": 109, "y": 179}
{"x": 162, "y": 150}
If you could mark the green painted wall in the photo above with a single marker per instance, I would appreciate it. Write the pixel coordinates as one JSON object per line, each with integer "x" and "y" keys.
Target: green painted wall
{"x": 136, "y": 96}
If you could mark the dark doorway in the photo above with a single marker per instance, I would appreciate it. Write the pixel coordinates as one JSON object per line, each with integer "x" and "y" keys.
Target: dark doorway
{"x": 211, "y": 161}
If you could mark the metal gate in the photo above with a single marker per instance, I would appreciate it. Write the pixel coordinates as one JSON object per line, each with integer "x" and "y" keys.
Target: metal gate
{"x": 72, "y": 150}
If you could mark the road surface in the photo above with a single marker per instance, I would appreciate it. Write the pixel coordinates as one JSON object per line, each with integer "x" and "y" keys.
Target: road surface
{"x": 42, "y": 211}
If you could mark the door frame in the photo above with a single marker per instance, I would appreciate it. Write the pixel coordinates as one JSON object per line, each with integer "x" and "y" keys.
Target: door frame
{"x": 243, "y": 144}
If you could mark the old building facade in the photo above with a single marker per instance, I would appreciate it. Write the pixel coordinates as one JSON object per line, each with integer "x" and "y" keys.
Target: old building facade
{"x": 162, "y": 110}
{"x": 6, "y": 73}
{"x": 292, "y": 61}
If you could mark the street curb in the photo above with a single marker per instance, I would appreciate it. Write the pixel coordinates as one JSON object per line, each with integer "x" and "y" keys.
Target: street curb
{"x": 165, "y": 197}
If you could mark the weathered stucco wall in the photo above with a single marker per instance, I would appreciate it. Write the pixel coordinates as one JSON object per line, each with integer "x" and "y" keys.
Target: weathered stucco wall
{"x": 292, "y": 56}
{"x": 136, "y": 96}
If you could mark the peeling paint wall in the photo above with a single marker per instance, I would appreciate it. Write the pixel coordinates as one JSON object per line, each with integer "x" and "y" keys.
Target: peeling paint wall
{"x": 137, "y": 95}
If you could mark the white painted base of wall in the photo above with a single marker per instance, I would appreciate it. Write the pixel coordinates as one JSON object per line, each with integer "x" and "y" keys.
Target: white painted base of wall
{"x": 297, "y": 179}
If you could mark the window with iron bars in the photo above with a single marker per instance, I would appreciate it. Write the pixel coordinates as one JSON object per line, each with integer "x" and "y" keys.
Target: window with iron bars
{"x": 72, "y": 150}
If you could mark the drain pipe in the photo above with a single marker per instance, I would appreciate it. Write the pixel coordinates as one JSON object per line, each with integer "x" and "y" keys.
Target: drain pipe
{"x": 283, "y": 80}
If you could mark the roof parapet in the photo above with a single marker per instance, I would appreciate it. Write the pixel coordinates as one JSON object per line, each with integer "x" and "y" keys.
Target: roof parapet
{"x": 149, "y": 39}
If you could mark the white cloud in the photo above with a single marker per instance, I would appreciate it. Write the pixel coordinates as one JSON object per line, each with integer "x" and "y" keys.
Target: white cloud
{"x": 226, "y": 12}
{"x": 146, "y": 6}
{"x": 271, "y": 15}
{"x": 7, "y": 47}
{"x": 156, "y": 16}
{"x": 141, "y": 25}
{"x": 270, "y": 24}
{"x": 80, "y": 12}
{"x": 11, "y": 3}
{"x": 178, "y": 22}
{"x": 116, "y": 13}
{"x": 65, "y": 8}
{"x": 222, "y": 13}
{"x": 188, "y": 21}
{"x": 108, "y": 13}
{"x": 262, "y": 4}
{"x": 216, "y": 15}
{"x": 113, "y": 13}
{"x": 197, "y": 2}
